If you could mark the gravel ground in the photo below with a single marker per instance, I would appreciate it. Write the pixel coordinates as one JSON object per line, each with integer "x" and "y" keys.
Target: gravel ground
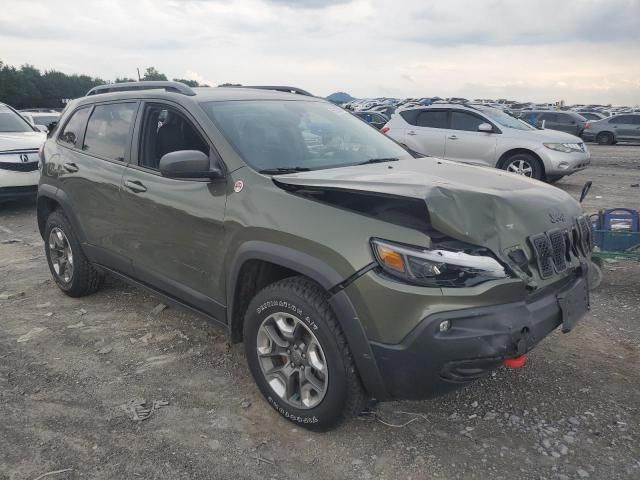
{"x": 73, "y": 370}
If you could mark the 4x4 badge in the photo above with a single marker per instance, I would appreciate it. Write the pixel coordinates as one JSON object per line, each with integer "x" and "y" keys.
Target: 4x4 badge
{"x": 238, "y": 186}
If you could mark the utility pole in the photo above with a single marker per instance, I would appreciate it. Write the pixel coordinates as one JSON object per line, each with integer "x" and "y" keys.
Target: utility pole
{"x": 138, "y": 69}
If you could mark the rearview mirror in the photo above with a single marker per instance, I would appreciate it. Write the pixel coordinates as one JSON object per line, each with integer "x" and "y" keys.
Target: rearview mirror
{"x": 188, "y": 164}
{"x": 485, "y": 127}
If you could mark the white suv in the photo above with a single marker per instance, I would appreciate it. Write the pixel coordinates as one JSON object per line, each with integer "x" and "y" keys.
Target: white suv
{"x": 487, "y": 136}
{"x": 19, "y": 145}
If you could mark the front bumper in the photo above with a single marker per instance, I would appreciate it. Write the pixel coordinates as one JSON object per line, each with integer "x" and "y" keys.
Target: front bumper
{"x": 18, "y": 184}
{"x": 560, "y": 163}
{"x": 430, "y": 362}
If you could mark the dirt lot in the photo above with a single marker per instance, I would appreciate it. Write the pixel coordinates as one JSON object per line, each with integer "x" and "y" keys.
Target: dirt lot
{"x": 70, "y": 367}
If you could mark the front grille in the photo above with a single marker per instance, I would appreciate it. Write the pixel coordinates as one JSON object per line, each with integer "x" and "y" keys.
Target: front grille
{"x": 19, "y": 167}
{"x": 553, "y": 250}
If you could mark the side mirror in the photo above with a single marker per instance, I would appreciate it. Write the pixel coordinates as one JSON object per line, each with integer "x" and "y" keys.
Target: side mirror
{"x": 41, "y": 128}
{"x": 188, "y": 164}
{"x": 485, "y": 127}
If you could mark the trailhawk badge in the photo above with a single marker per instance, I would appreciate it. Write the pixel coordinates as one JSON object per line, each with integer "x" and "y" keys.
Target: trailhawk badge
{"x": 556, "y": 216}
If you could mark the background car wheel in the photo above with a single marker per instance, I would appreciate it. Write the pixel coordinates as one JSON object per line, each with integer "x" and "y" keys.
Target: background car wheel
{"x": 524, "y": 164}
{"x": 554, "y": 178}
{"x": 71, "y": 270}
{"x": 605, "y": 138}
{"x": 299, "y": 357}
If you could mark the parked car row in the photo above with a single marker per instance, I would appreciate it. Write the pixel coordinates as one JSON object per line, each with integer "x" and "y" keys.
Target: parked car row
{"x": 488, "y": 136}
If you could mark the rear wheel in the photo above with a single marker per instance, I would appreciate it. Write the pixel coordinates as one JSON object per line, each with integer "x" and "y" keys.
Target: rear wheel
{"x": 524, "y": 164}
{"x": 605, "y": 138}
{"x": 299, "y": 357}
{"x": 71, "y": 270}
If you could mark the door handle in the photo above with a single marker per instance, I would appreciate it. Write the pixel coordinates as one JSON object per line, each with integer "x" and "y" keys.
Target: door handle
{"x": 411, "y": 132}
{"x": 452, "y": 137}
{"x": 70, "y": 167}
{"x": 135, "y": 186}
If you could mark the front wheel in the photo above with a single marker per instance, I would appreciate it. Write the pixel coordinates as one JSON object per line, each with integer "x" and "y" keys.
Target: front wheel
{"x": 524, "y": 164}
{"x": 299, "y": 357}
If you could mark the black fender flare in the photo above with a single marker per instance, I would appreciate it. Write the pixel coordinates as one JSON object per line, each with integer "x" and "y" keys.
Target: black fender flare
{"x": 60, "y": 197}
{"x": 328, "y": 278}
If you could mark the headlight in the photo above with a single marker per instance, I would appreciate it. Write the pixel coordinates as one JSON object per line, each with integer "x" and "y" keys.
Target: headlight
{"x": 435, "y": 268}
{"x": 565, "y": 147}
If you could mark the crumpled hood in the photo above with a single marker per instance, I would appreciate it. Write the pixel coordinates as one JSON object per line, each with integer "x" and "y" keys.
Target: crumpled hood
{"x": 21, "y": 140}
{"x": 479, "y": 205}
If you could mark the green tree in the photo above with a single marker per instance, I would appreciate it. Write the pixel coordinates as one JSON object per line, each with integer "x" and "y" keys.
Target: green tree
{"x": 124, "y": 79}
{"x": 152, "y": 74}
{"x": 190, "y": 83}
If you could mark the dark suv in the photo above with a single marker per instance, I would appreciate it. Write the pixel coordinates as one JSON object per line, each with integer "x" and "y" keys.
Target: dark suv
{"x": 351, "y": 270}
{"x": 570, "y": 122}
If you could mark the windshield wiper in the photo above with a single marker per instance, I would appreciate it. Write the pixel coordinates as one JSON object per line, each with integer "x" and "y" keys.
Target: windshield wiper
{"x": 379, "y": 160}
{"x": 283, "y": 170}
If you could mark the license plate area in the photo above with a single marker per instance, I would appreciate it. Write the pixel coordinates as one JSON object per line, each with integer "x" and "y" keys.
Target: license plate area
{"x": 574, "y": 303}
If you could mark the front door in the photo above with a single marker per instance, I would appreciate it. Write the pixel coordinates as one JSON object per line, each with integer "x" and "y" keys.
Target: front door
{"x": 175, "y": 233}
{"x": 465, "y": 143}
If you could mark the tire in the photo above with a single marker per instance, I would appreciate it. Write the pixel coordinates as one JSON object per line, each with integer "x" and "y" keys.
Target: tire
{"x": 77, "y": 277}
{"x": 595, "y": 276}
{"x": 300, "y": 307}
{"x": 605, "y": 138}
{"x": 524, "y": 164}
{"x": 554, "y": 178}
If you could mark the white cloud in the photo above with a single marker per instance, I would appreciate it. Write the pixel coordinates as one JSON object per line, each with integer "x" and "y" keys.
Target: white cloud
{"x": 546, "y": 50}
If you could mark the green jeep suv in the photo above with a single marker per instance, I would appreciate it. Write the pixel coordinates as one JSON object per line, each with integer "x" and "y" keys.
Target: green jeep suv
{"x": 351, "y": 270}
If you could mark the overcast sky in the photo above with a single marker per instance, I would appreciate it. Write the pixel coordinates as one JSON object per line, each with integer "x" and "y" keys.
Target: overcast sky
{"x": 540, "y": 50}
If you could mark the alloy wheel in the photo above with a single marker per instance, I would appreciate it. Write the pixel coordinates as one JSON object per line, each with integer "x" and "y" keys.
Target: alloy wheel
{"x": 61, "y": 254}
{"x": 521, "y": 167}
{"x": 292, "y": 360}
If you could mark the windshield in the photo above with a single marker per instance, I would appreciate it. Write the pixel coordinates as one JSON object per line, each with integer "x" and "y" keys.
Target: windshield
{"x": 505, "y": 119}
{"x": 276, "y": 134}
{"x": 10, "y": 121}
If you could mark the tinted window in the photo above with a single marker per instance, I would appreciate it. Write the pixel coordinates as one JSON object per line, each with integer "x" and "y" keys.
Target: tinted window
{"x": 410, "y": 116}
{"x": 307, "y": 134}
{"x": 565, "y": 118}
{"x": 635, "y": 119}
{"x": 621, "y": 119}
{"x": 549, "y": 117}
{"x": 10, "y": 121}
{"x": 108, "y": 130}
{"x": 465, "y": 121}
{"x": 164, "y": 131}
{"x": 73, "y": 129}
{"x": 432, "y": 119}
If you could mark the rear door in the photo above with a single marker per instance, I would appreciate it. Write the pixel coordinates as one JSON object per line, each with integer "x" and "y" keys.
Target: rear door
{"x": 95, "y": 150}
{"x": 427, "y": 133}
{"x": 466, "y": 144}
{"x": 174, "y": 227}
{"x": 568, "y": 123}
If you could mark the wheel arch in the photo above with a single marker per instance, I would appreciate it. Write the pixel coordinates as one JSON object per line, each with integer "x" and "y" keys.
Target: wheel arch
{"x": 258, "y": 264}
{"x": 51, "y": 198}
{"x": 503, "y": 158}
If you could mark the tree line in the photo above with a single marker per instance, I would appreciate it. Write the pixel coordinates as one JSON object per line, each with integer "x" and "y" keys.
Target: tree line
{"x": 28, "y": 87}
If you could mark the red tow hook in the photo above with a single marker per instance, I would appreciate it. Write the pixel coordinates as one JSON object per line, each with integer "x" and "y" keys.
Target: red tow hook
{"x": 515, "y": 362}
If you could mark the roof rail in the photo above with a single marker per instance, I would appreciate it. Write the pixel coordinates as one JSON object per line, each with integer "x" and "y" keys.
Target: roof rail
{"x": 280, "y": 88}
{"x": 176, "y": 87}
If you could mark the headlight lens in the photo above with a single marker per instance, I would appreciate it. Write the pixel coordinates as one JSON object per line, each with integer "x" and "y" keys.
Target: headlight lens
{"x": 435, "y": 268}
{"x": 565, "y": 147}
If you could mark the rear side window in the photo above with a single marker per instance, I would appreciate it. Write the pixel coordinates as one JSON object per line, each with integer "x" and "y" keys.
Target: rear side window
{"x": 410, "y": 116}
{"x": 635, "y": 119}
{"x": 565, "y": 118}
{"x": 621, "y": 119}
{"x": 432, "y": 119}
{"x": 108, "y": 130}
{"x": 465, "y": 121}
{"x": 550, "y": 117}
{"x": 73, "y": 129}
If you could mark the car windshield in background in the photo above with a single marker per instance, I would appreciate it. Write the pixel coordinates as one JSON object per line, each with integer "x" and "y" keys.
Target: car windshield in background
{"x": 299, "y": 135}
{"x": 505, "y": 119}
{"x": 10, "y": 121}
